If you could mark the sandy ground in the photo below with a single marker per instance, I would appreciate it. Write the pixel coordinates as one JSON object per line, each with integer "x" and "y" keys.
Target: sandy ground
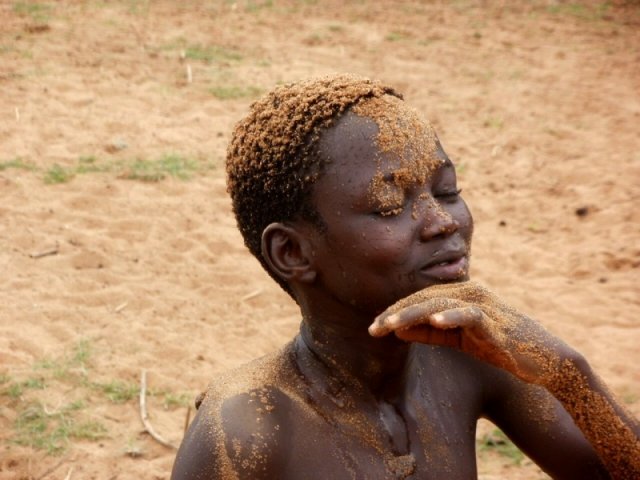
{"x": 105, "y": 275}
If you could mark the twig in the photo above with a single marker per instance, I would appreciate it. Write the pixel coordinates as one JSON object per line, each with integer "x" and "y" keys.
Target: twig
{"x": 251, "y": 295}
{"x": 68, "y": 477}
{"x": 45, "y": 253}
{"x": 121, "y": 307}
{"x": 145, "y": 418}
{"x": 186, "y": 420}
{"x": 189, "y": 74}
{"x": 53, "y": 412}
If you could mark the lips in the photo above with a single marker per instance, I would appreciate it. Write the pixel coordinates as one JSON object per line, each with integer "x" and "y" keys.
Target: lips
{"x": 448, "y": 267}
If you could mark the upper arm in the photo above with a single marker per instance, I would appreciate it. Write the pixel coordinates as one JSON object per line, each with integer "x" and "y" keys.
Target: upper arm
{"x": 539, "y": 425}
{"x": 252, "y": 429}
{"x": 199, "y": 453}
{"x": 237, "y": 437}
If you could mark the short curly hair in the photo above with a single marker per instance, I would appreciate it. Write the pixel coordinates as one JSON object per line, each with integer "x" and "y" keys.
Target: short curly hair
{"x": 273, "y": 159}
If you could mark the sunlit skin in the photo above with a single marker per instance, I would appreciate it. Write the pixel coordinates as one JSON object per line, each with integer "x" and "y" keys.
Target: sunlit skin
{"x": 380, "y": 253}
{"x": 371, "y": 388}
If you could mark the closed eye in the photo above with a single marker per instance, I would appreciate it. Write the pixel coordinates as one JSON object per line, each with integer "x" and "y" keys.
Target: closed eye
{"x": 388, "y": 212}
{"x": 451, "y": 194}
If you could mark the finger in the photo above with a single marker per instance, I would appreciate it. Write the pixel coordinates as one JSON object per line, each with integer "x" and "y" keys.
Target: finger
{"x": 412, "y": 315}
{"x": 469, "y": 292}
{"x": 387, "y": 322}
{"x": 462, "y": 317}
{"x": 429, "y": 335}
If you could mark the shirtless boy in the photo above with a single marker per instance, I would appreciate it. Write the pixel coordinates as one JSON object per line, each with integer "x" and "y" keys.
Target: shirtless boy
{"x": 350, "y": 203}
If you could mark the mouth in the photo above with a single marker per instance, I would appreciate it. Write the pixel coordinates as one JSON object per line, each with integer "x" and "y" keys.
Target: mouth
{"x": 454, "y": 267}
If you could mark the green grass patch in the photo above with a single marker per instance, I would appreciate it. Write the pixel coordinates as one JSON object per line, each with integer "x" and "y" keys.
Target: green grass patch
{"x": 13, "y": 391}
{"x": 89, "y": 164}
{"x": 55, "y": 429}
{"x": 581, "y": 11}
{"x": 77, "y": 360}
{"x": 396, "y": 36}
{"x": 133, "y": 449}
{"x": 155, "y": 170}
{"x": 58, "y": 174}
{"x": 117, "y": 391}
{"x": 175, "y": 400}
{"x": 211, "y": 53}
{"x": 138, "y": 7}
{"x": 493, "y": 122}
{"x": 498, "y": 442}
{"x": 234, "y": 92}
{"x": 255, "y": 6}
{"x": 206, "y": 53}
{"x": 74, "y": 368}
{"x": 52, "y": 430}
{"x": 35, "y": 383}
{"x": 57, "y": 369}
{"x": 146, "y": 170}
{"x": 17, "y": 164}
{"x": 38, "y": 12}
{"x": 80, "y": 354}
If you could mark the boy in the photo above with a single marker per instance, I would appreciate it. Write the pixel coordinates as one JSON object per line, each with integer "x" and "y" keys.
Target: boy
{"x": 350, "y": 203}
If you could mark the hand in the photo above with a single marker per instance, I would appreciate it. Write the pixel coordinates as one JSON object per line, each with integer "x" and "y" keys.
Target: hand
{"x": 468, "y": 317}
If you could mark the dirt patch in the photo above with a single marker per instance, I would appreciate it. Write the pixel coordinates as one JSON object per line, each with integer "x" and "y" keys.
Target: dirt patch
{"x": 117, "y": 244}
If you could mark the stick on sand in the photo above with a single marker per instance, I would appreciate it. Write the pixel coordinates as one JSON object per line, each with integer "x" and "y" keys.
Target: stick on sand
{"x": 145, "y": 418}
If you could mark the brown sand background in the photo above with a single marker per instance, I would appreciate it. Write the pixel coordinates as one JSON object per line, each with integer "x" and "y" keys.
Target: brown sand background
{"x": 538, "y": 103}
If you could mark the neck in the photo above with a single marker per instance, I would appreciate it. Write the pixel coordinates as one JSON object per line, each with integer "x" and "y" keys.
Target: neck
{"x": 350, "y": 356}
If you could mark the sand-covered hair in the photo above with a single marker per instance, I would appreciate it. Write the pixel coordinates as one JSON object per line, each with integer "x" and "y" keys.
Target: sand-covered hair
{"x": 273, "y": 161}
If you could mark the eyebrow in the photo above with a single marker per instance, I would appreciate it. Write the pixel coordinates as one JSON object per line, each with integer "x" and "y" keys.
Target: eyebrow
{"x": 446, "y": 163}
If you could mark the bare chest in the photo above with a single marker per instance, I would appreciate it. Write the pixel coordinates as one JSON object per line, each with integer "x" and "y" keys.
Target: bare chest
{"x": 439, "y": 442}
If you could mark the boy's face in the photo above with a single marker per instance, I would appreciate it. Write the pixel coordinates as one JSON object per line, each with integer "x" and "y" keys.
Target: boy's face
{"x": 395, "y": 222}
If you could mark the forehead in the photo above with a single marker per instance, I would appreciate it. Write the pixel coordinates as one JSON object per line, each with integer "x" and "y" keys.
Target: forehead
{"x": 380, "y": 140}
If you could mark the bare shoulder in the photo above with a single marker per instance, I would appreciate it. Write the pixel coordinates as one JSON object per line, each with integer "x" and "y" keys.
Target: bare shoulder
{"x": 240, "y": 424}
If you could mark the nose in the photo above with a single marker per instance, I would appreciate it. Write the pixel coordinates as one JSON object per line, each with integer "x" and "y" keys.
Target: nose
{"x": 436, "y": 221}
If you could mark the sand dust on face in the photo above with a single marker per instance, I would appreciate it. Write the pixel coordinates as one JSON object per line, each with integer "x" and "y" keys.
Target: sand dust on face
{"x": 406, "y": 139}
{"x": 537, "y": 105}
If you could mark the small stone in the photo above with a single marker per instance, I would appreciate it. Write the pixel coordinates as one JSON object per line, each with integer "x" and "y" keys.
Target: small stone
{"x": 115, "y": 146}
{"x": 582, "y": 211}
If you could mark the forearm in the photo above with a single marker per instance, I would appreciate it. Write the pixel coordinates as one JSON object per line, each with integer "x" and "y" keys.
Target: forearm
{"x": 612, "y": 432}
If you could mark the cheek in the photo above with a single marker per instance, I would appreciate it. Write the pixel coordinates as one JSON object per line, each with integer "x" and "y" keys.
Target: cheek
{"x": 388, "y": 244}
{"x": 373, "y": 243}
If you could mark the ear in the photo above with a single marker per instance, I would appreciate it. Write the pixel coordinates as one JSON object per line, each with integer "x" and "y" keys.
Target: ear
{"x": 287, "y": 251}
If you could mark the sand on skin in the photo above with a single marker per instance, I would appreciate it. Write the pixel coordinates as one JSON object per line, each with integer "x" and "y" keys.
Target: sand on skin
{"x": 539, "y": 106}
